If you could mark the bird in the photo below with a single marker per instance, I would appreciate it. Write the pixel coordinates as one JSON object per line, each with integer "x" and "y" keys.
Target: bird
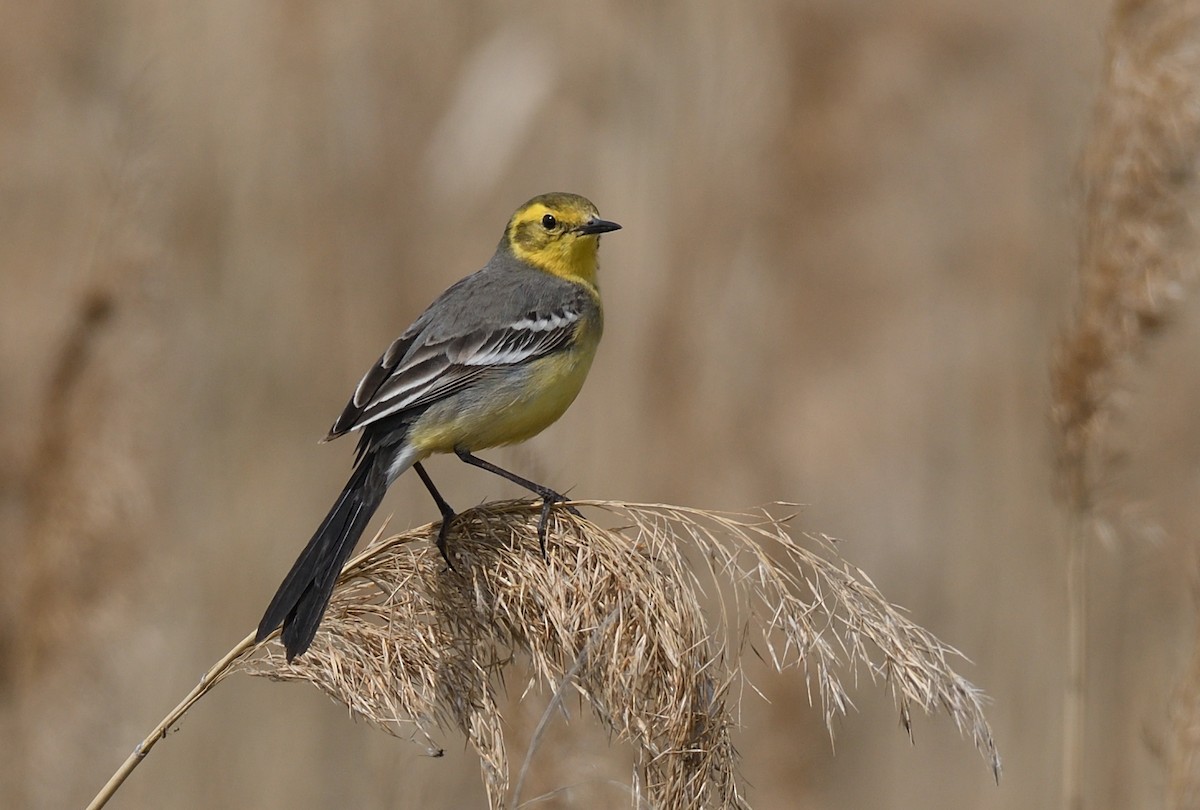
{"x": 494, "y": 360}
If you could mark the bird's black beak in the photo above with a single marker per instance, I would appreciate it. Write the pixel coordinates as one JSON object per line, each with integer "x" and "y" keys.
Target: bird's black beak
{"x": 595, "y": 225}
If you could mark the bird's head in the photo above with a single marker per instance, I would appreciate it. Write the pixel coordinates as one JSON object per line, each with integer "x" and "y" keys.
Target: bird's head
{"x": 558, "y": 233}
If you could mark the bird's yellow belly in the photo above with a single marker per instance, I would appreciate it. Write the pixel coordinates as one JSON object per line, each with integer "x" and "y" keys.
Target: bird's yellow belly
{"x": 510, "y": 405}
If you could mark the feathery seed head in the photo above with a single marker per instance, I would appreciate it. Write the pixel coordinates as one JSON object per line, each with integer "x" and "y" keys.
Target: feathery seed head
{"x": 558, "y": 233}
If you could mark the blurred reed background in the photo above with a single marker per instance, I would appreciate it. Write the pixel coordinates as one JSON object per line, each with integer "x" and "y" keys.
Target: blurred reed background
{"x": 851, "y": 234}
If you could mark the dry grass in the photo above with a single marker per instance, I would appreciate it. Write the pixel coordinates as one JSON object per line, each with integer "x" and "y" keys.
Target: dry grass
{"x": 1136, "y": 247}
{"x": 1137, "y": 250}
{"x": 1183, "y": 754}
{"x": 646, "y": 624}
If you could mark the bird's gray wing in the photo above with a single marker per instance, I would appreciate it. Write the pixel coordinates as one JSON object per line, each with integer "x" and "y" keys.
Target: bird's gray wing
{"x": 425, "y": 365}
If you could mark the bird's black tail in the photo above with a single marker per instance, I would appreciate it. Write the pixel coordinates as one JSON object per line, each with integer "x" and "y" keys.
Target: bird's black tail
{"x": 301, "y": 600}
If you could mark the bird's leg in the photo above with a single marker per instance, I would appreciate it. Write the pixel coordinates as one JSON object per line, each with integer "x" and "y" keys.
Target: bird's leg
{"x": 549, "y": 497}
{"x": 448, "y": 513}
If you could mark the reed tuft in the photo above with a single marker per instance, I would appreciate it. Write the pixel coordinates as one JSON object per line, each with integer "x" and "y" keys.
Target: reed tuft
{"x": 1137, "y": 254}
{"x": 645, "y": 623}
{"x": 1137, "y": 247}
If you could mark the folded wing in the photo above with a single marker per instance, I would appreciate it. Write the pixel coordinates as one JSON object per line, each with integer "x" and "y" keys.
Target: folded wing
{"x": 416, "y": 370}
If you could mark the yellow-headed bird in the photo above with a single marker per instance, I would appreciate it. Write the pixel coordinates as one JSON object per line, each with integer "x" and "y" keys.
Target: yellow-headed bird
{"x": 494, "y": 360}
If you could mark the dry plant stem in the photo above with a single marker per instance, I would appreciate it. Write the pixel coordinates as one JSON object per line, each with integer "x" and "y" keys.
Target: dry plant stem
{"x": 210, "y": 679}
{"x": 1183, "y": 775}
{"x": 1074, "y": 715}
{"x": 559, "y": 694}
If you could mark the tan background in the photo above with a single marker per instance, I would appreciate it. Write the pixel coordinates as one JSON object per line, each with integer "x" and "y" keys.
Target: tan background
{"x": 849, "y": 237}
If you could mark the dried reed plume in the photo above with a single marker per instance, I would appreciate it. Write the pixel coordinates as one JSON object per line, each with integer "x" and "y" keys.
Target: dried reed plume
{"x": 623, "y": 618}
{"x": 1139, "y": 171}
{"x": 617, "y": 617}
{"x": 1136, "y": 248}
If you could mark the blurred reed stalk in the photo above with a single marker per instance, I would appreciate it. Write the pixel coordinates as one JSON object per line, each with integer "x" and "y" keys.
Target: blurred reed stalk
{"x": 1183, "y": 765}
{"x": 1139, "y": 173}
{"x": 646, "y": 625}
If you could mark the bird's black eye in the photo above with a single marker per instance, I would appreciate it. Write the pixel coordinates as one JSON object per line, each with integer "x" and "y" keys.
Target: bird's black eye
{"x": 549, "y": 222}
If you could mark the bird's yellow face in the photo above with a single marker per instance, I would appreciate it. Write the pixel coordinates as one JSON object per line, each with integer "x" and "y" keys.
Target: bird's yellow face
{"x": 559, "y": 233}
